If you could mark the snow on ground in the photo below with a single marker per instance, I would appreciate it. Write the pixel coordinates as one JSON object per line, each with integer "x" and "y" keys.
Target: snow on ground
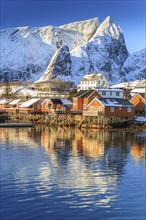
{"x": 141, "y": 118}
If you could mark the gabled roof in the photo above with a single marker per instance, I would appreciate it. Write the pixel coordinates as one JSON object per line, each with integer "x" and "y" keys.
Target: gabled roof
{"x": 4, "y": 101}
{"x": 89, "y": 92}
{"x": 138, "y": 90}
{"x": 80, "y": 93}
{"x": 66, "y": 102}
{"x": 93, "y": 76}
{"x": 59, "y": 101}
{"x": 142, "y": 95}
{"x": 56, "y": 101}
{"x": 14, "y": 102}
{"x": 84, "y": 93}
{"x": 97, "y": 99}
{"x": 29, "y": 103}
{"x": 115, "y": 102}
{"x": 109, "y": 90}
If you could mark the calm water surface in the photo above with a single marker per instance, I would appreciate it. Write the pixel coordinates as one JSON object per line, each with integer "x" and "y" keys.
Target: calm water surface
{"x": 71, "y": 174}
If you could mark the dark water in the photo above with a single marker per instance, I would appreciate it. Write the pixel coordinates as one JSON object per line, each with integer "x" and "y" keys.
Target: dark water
{"x": 71, "y": 175}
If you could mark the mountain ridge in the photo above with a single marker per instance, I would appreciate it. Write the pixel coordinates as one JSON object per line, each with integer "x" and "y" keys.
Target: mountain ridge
{"x": 27, "y": 52}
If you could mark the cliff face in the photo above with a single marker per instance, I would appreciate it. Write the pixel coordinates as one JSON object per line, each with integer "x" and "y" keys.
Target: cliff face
{"x": 60, "y": 65}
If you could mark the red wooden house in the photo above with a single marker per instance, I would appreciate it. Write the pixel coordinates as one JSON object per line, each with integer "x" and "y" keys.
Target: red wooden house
{"x": 83, "y": 98}
{"x": 3, "y": 104}
{"x": 110, "y": 107}
{"x": 31, "y": 106}
{"x": 56, "y": 106}
{"x": 139, "y": 102}
{"x": 13, "y": 106}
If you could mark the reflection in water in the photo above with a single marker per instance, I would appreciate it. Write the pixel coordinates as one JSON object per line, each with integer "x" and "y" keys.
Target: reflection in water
{"x": 76, "y": 169}
{"x": 138, "y": 152}
{"x": 83, "y": 169}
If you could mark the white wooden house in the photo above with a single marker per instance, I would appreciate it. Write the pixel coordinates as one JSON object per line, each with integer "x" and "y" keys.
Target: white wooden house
{"x": 93, "y": 81}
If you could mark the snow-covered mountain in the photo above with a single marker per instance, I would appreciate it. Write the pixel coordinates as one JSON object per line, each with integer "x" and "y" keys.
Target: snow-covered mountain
{"x": 60, "y": 65}
{"x": 105, "y": 52}
{"x": 135, "y": 66}
{"x": 68, "y": 52}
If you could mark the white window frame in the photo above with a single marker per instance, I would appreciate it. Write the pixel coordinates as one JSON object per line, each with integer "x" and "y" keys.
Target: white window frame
{"x": 84, "y": 106}
{"x": 117, "y": 93}
{"x": 103, "y": 93}
{"x": 91, "y": 108}
{"x": 112, "y": 109}
{"x": 129, "y": 109}
{"x": 100, "y": 109}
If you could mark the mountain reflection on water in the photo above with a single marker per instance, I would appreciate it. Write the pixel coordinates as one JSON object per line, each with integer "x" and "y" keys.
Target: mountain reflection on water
{"x": 66, "y": 170}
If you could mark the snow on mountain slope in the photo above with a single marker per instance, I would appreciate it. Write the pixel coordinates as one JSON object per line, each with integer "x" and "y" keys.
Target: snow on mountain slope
{"x": 105, "y": 52}
{"x": 27, "y": 51}
{"x": 135, "y": 66}
{"x": 68, "y": 52}
{"x": 86, "y": 28}
{"x": 60, "y": 65}
{"x": 111, "y": 29}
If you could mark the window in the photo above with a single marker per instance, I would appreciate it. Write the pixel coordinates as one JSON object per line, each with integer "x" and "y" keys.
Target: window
{"x": 101, "y": 77}
{"x": 117, "y": 93}
{"x": 91, "y": 108}
{"x": 98, "y": 82}
{"x": 129, "y": 109}
{"x": 110, "y": 93}
{"x": 84, "y": 106}
{"x": 46, "y": 105}
{"x": 120, "y": 108}
{"x": 39, "y": 106}
{"x": 100, "y": 108}
{"x": 103, "y": 92}
{"x": 112, "y": 109}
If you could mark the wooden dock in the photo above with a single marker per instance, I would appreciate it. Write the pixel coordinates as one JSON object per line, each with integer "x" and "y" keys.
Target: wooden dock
{"x": 64, "y": 120}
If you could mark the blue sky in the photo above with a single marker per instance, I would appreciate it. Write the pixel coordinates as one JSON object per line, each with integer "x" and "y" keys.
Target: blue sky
{"x": 130, "y": 15}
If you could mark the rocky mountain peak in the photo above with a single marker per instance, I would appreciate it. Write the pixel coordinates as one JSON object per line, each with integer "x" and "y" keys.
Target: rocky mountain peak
{"x": 109, "y": 28}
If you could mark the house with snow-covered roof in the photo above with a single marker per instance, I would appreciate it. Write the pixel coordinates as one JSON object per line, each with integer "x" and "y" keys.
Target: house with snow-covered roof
{"x": 138, "y": 100}
{"x": 13, "y": 106}
{"x": 93, "y": 81}
{"x": 110, "y": 107}
{"x": 3, "y": 103}
{"x": 31, "y": 106}
{"x": 56, "y": 106}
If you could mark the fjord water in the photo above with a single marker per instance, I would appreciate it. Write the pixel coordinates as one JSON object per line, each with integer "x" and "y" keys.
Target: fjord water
{"x": 61, "y": 174}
